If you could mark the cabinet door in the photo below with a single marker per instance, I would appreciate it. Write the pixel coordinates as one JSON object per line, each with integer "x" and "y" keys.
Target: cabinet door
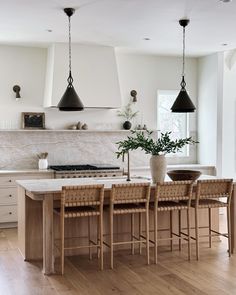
{"x": 8, "y": 213}
{"x": 94, "y": 71}
{"x": 8, "y": 196}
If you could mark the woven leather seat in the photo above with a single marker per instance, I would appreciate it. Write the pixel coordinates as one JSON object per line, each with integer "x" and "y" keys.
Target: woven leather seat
{"x": 83, "y": 211}
{"x": 132, "y": 198}
{"x": 171, "y": 196}
{"x": 168, "y": 205}
{"x": 81, "y": 201}
{"x": 128, "y": 208}
{"x": 209, "y": 194}
{"x": 209, "y": 203}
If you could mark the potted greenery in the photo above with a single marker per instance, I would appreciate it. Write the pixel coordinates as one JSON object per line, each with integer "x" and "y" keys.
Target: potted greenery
{"x": 127, "y": 113}
{"x": 156, "y": 148}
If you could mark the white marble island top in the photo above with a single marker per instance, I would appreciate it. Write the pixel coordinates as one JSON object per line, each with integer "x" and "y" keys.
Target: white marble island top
{"x": 44, "y": 186}
{"x": 48, "y": 186}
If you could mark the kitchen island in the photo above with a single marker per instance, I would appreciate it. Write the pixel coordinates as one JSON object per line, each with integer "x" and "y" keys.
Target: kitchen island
{"x": 36, "y": 226}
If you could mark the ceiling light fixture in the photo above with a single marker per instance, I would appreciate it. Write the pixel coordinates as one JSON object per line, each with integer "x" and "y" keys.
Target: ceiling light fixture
{"x": 70, "y": 101}
{"x": 183, "y": 103}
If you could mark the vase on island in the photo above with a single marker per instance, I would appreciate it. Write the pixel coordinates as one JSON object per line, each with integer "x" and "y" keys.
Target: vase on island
{"x": 158, "y": 166}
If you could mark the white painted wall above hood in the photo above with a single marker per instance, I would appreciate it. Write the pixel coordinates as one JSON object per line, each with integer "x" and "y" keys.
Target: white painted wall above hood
{"x": 94, "y": 71}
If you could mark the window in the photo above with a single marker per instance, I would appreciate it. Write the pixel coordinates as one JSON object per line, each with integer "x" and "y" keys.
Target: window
{"x": 177, "y": 123}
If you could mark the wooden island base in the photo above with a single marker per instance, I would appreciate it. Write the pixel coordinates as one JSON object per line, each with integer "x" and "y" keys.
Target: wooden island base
{"x": 36, "y": 225}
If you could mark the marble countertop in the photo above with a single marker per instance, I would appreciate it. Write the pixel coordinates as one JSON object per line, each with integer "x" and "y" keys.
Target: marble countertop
{"x": 17, "y": 171}
{"x": 178, "y": 166}
{"x": 44, "y": 186}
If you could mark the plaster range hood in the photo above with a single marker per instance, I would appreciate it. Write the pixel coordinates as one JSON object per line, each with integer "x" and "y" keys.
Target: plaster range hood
{"x": 94, "y": 71}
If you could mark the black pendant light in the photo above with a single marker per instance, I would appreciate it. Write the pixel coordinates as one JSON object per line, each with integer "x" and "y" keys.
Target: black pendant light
{"x": 183, "y": 103}
{"x": 70, "y": 101}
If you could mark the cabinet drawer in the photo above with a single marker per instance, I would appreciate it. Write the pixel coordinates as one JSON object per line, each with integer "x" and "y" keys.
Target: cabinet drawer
{"x": 8, "y": 196}
{"x": 8, "y": 213}
{"x": 11, "y": 179}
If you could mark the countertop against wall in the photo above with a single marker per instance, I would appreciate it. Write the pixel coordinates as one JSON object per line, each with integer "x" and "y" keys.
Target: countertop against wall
{"x": 134, "y": 170}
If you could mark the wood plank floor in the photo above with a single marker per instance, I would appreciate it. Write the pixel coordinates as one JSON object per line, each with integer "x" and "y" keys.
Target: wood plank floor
{"x": 215, "y": 273}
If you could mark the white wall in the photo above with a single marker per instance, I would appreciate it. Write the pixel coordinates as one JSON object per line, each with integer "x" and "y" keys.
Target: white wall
{"x": 207, "y": 109}
{"x": 229, "y": 113}
{"x": 148, "y": 74}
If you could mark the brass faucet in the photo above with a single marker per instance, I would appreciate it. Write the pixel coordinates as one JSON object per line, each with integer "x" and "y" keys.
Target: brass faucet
{"x": 128, "y": 166}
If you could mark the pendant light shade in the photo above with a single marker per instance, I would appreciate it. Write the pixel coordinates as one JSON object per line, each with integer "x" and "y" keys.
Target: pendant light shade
{"x": 183, "y": 103}
{"x": 70, "y": 100}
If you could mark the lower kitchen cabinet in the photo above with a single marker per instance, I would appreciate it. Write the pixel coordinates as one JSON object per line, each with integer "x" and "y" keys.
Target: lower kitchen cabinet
{"x": 8, "y": 193}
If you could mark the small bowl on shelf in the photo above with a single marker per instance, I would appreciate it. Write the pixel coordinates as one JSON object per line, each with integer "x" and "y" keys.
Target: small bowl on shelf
{"x": 176, "y": 175}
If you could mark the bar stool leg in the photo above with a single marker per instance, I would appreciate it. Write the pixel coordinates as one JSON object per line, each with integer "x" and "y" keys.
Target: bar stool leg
{"x": 89, "y": 237}
{"x": 229, "y": 229}
{"x": 62, "y": 243}
{"x": 189, "y": 238}
{"x": 196, "y": 233}
{"x": 101, "y": 239}
{"x": 132, "y": 233}
{"x": 180, "y": 228}
{"x": 147, "y": 235}
{"x": 140, "y": 232}
{"x": 171, "y": 231}
{"x": 98, "y": 237}
{"x": 111, "y": 238}
{"x": 155, "y": 235}
{"x": 209, "y": 216}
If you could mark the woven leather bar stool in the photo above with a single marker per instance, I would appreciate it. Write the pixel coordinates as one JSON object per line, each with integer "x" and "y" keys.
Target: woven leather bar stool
{"x": 129, "y": 199}
{"x": 215, "y": 193}
{"x": 168, "y": 197}
{"x": 77, "y": 202}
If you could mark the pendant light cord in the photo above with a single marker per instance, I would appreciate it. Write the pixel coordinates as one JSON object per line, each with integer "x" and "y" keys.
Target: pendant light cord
{"x": 183, "y": 72}
{"x": 70, "y": 79}
{"x": 183, "y": 83}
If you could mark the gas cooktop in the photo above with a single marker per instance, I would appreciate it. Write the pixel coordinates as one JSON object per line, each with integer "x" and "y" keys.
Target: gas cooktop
{"x": 84, "y": 167}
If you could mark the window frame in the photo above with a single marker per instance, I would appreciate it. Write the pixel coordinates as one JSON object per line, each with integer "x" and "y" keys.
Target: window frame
{"x": 187, "y": 132}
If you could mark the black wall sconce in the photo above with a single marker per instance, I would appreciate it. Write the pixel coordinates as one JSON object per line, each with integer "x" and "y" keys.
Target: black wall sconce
{"x": 16, "y": 89}
{"x": 133, "y": 93}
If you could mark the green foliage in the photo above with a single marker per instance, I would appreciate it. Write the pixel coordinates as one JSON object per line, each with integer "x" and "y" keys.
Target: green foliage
{"x": 127, "y": 112}
{"x": 162, "y": 146}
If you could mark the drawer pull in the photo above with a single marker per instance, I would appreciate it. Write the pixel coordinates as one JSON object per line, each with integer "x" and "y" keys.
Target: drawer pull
{"x": 9, "y": 180}
{"x": 10, "y": 196}
{"x": 10, "y": 213}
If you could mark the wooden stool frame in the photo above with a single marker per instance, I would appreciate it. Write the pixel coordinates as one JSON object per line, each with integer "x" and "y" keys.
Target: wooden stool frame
{"x": 132, "y": 198}
{"x": 81, "y": 201}
{"x": 168, "y": 197}
{"x": 208, "y": 193}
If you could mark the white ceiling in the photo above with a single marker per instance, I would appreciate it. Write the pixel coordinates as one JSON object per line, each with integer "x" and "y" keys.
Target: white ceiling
{"x": 122, "y": 23}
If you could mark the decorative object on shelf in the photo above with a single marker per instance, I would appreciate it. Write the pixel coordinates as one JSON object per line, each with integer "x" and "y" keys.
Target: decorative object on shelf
{"x": 79, "y": 125}
{"x": 16, "y": 89}
{"x": 84, "y": 126}
{"x": 184, "y": 174}
{"x": 144, "y": 127}
{"x": 70, "y": 101}
{"x": 72, "y": 127}
{"x": 33, "y": 120}
{"x": 43, "y": 161}
{"x": 183, "y": 103}
{"x": 157, "y": 148}
{"x": 133, "y": 93}
{"x": 127, "y": 113}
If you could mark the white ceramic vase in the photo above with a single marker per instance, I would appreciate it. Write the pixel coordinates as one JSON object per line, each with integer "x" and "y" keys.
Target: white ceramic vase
{"x": 158, "y": 165}
{"x": 43, "y": 164}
